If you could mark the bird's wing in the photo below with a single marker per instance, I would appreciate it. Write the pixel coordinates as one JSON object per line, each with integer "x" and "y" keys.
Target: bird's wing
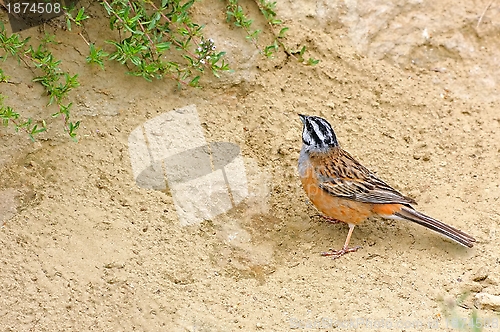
{"x": 344, "y": 177}
{"x": 363, "y": 192}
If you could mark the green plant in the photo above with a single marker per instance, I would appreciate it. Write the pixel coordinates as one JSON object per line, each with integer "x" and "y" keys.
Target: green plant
{"x": 162, "y": 41}
{"x": 46, "y": 70}
{"x": 300, "y": 55}
{"x": 235, "y": 14}
{"x": 96, "y": 56}
{"x": 3, "y": 77}
{"x": 7, "y": 115}
{"x": 157, "y": 39}
{"x": 78, "y": 19}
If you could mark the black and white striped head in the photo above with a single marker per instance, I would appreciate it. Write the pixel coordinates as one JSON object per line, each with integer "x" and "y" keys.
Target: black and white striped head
{"x": 317, "y": 133}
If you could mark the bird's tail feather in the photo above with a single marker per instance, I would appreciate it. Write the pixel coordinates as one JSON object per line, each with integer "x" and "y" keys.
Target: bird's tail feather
{"x": 436, "y": 225}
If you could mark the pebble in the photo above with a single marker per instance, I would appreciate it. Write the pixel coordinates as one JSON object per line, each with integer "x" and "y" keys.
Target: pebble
{"x": 488, "y": 301}
{"x": 480, "y": 275}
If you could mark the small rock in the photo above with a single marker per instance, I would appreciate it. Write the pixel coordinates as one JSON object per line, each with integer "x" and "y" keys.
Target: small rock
{"x": 259, "y": 325}
{"x": 472, "y": 287}
{"x": 480, "y": 274}
{"x": 493, "y": 280}
{"x": 488, "y": 301}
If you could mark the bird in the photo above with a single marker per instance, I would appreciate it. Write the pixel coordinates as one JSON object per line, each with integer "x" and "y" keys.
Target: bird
{"x": 343, "y": 190}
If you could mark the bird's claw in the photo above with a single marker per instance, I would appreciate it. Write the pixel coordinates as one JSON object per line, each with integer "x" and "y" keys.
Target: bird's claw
{"x": 334, "y": 254}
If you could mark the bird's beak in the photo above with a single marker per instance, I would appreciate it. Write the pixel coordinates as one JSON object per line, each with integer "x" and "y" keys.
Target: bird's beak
{"x": 302, "y": 118}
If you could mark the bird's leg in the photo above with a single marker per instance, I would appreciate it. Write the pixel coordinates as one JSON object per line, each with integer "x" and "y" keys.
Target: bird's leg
{"x": 332, "y": 220}
{"x": 339, "y": 253}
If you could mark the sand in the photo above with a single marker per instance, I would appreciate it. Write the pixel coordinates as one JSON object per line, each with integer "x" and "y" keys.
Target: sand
{"x": 411, "y": 89}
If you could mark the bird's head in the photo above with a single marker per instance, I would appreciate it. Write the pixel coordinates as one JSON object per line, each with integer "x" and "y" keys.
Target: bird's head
{"x": 317, "y": 133}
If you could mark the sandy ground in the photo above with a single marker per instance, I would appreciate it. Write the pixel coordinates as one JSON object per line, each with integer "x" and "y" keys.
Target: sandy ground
{"x": 411, "y": 89}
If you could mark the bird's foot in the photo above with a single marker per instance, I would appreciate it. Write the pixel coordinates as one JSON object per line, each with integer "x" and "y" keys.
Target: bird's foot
{"x": 334, "y": 254}
{"x": 332, "y": 220}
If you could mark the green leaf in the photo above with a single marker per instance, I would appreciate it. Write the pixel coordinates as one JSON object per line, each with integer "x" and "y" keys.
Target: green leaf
{"x": 312, "y": 62}
{"x": 194, "y": 81}
{"x": 160, "y": 47}
{"x": 282, "y": 32}
{"x": 187, "y": 5}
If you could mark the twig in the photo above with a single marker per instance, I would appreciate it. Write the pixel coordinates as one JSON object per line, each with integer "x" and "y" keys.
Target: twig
{"x": 273, "y": 31}
{"x": 253, "y": 40}
{"x": 482, "y": 15}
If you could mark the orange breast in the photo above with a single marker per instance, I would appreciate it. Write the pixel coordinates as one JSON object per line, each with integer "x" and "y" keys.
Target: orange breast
{"x": 346, "y": 210}
{"x": 386, "y": 210}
